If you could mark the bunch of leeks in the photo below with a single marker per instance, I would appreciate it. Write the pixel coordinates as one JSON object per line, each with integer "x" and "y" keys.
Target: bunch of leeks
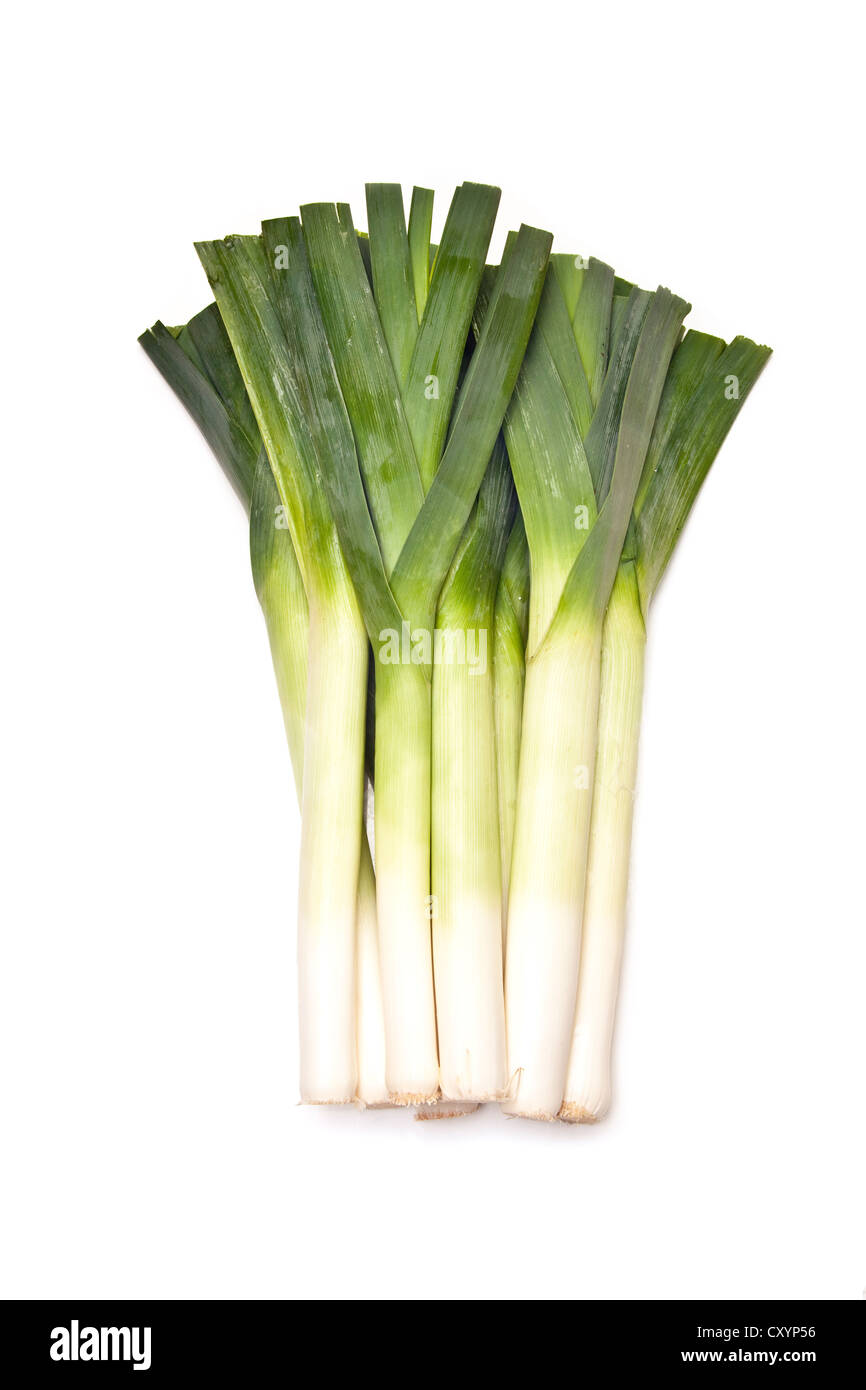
{"x": 463, "y": 483}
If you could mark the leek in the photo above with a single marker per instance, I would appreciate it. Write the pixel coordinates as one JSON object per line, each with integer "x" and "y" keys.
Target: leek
{"x": 576, "y": 519}
{"x": 285, "y": 373}
{"x": 463, "y": 484}
{"x": 466, "y": 862}
{"x": 206, "y": 378}
{"x": 706, "y": 388}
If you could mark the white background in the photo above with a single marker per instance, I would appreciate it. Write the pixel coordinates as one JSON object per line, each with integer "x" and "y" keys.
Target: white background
{"x": 152, "y": 1145}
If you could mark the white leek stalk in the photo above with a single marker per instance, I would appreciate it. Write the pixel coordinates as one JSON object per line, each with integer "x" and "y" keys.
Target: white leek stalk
{"x": 372, "y": 1087}
{"x": 696, "y": 411}
{"x": 268, "y": 308}
{"x": 467, "y": 889}
{"x": 587, "y": 1087}
{"x": 509, "y": 674}
{"x": 403, "y": 732}
{"x": 331, "y": 831}
{"x": 548, "y": 869}
{"x": 466, "y": 869}
{"x": 198, "y": 363}
{"x": 281, "y": 594}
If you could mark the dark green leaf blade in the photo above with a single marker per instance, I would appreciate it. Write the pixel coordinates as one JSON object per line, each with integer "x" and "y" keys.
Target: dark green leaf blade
{"x": 587, "y": 590}
{"x": 592, "y": 323}
{"x": 391, "y": 265}
{"x": 481, "y": 406}
{"x": 602, "y": 436}
{"x": 327, "y": 420}
{"x": 235, "y": 450}
{"x": 428, "y": 392}
{"x": 420, "y": 226}
{"x": 689, "y": 365}
{"x": 689, "y": 451}
{"x": 555, "y": 325}
{"x": 367, "y": 379}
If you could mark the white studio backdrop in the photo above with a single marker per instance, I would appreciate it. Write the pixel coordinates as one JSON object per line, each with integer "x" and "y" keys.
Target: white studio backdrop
{"x": 152, "y": 1144}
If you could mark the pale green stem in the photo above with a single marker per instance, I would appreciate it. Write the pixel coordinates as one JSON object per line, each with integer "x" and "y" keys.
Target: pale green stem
{"x": 372, "y": 1087}
{"x": 285, "y": 613}
{"x": 466, "y": 875}
{"x": 331, "y": 830}
{"x": 548, "y": 868}
{"x": 402, "y": 781}
{"x": 509, "y": 674}
{"x": 588, "y": 1087}
{"x": 284, "y": 605}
